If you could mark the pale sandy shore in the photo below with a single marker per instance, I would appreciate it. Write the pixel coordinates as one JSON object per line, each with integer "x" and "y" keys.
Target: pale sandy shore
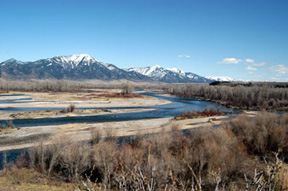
{"x": 58, "y": 113}
{"x": 87, "y": 100}
{"x": 29, "y": 136}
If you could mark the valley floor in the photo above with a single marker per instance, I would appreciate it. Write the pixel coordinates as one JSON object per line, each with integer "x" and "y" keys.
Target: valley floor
{"x": 25, "y": 137}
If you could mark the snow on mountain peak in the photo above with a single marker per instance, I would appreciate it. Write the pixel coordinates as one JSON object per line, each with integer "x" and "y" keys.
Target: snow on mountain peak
{"x": 151, "y": 71}
{"x": 156, "y": 66}
{"x": 220, "y": 78}
{"x": 109, "y": 66}
{"x": 181, "y": 72}
{"x": 169, "y": 75}
{"x": 74, "y": 60}
{"x": 157, "y": 71}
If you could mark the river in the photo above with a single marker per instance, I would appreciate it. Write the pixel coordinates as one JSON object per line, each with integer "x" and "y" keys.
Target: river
{"x": 178, "y": 105}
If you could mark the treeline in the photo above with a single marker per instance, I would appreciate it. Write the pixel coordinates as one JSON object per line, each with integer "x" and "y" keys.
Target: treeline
{"x": 41, "y": 85}
{"x": 68, "y": 86}
{"x": 256, "y": 97}
{"x": 243, "y": 154}
{"x": 250, "y": 84}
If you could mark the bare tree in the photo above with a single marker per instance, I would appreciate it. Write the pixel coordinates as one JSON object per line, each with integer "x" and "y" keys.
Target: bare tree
{"x": 127, "y": 88}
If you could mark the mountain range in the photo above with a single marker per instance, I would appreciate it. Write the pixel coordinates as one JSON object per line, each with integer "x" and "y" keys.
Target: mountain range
{"x": 169, "y": 75}
{"x": 84, "y": 67}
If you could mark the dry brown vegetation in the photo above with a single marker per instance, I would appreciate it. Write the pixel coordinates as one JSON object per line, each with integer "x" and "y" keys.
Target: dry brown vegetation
{"x": 72, "y": 86}
{"x": 120, "y": 95}
{"x": 198, "y": 114}
{"x": 28, "y": 179}
{"x": 49, "y": 85}
{"x": 40, "y": 85}
{"x": 263, "y": 134}
{"x": 50, "y": 113}
{"x": 255, "y": 97}
{"x": 243, "y": 154}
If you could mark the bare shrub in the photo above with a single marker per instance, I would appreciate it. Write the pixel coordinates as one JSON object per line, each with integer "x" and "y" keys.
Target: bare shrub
{"x": 172, "y": 161}
{"x": 69, "y": 109}
{"x": 200, "y": 159}
{"x": 110, "y": 134}
{"x": 136, "y": 140}
{"x": 105, "y": 157}
{"x": 212, "y": 152}
{"x": 37, "y": 157}
{"x": 282, "y": 177}
{"x": 8, "y": 125}
{"x": 76, "y": 161}
{"x": 265, "y": 133}
{"x": 135, "y": 166}
{"x": 175, "y": 127}
{"x": 96, "y": 135}
{"x": 127, "y": 88}
{"x": 267, "y": 179}
{"x": 70, "y": 159}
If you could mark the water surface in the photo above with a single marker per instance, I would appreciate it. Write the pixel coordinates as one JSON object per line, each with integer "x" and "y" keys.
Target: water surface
{"x": 178, "y": 106}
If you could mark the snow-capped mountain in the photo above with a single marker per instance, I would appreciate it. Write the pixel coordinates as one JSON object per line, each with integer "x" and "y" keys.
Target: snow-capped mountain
{"x": 73, "y": 60}
{"x": 156, "y": 71}
{"x": 74, "y": 67}
{"x": 169, "y": 75}
{"x": 83, "y": 66}
{"x": 181, "y": 72}
{"x": 220, "y": 78}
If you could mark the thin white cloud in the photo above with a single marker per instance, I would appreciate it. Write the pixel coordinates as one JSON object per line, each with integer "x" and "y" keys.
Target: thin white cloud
{"x": 259, "y": 64}
{"x": 230, "y": 61}
{"x": 184, "y": 56}
{"x": 280, "y": 69}
{"x": 249, "y": 60}
{"x": 250, "y": 68}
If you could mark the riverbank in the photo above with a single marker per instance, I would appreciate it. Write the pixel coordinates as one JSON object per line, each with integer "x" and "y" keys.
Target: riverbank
{"x": 258, "y": 97}
{"x": 62, "y": 113}
{"x": 98, "y": 98}
{"x": 127, "y": 122}
{"x": 29, "y": 136}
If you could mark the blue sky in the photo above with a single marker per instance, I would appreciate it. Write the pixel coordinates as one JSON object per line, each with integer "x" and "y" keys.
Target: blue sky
{"x": 242, "y": 39}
